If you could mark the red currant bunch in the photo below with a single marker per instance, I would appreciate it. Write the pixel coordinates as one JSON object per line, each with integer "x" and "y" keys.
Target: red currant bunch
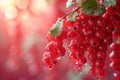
{"x": 91, "y": 29}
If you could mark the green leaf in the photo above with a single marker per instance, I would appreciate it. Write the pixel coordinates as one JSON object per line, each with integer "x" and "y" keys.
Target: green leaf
{"x": 98, "y": 11}
{"x": 69, "y": 3}
{"x": 109, "y": 3}
{"x": 91, "y": 7}
{"x": 57, "y": 28}
{"x": 72, "y": 17}
{"x": 78, "y": 1}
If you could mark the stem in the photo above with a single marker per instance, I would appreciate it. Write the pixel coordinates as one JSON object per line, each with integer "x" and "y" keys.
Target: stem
{"x": 70, "y": 12}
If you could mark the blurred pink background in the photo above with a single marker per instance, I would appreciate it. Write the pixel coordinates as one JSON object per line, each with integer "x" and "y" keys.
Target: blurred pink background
{"x": 23, "y": 28}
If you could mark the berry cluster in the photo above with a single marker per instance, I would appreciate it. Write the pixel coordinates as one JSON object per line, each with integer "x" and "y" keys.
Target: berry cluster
{"x": 54, "y": 49}
{"x": 90, "y": 37}
{"x": 114, "y": 16}
{"x": 115, "y": 60}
